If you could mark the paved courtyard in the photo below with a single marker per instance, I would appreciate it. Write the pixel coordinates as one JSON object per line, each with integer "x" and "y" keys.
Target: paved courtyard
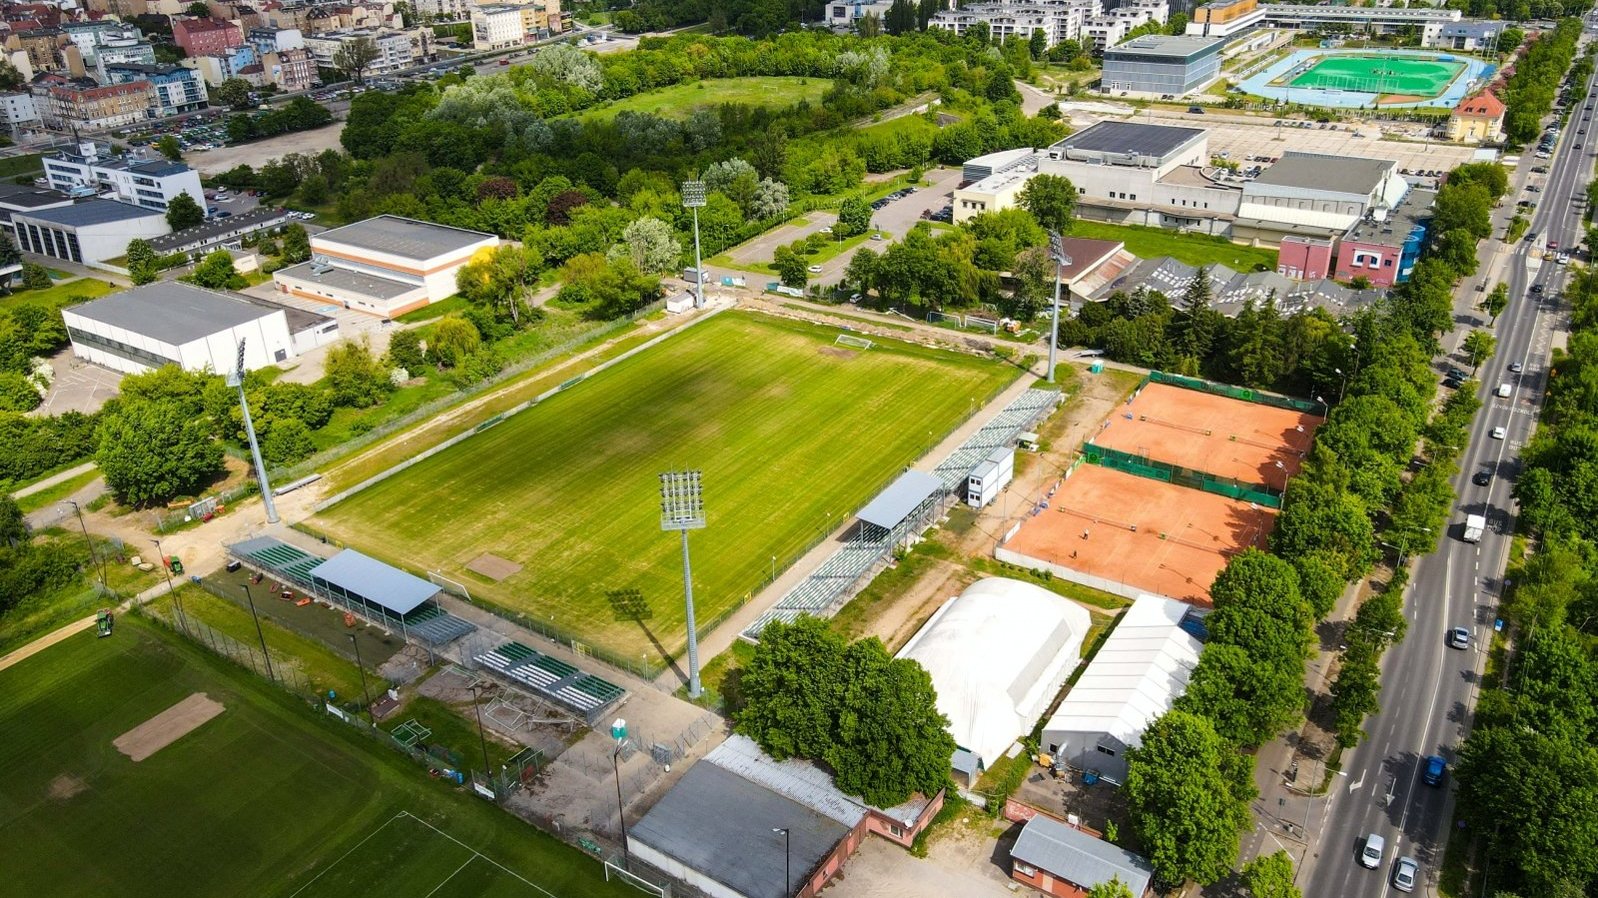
{"x": 79, "y": 386}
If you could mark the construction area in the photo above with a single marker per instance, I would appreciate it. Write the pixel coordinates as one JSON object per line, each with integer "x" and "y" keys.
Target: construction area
{"x": 1178, "y": 480}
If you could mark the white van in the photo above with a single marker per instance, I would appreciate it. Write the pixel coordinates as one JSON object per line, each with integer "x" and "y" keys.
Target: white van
{"x": 1504, "y": 390}
{"x": 1371, "y": 854}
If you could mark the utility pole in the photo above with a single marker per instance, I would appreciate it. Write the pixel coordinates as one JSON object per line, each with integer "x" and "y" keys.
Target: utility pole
{"x": 1057, "y": 253}
{"x": 262, "y": 636}
{"x": 362, "y": 668}
{"x": 90, "y": 543}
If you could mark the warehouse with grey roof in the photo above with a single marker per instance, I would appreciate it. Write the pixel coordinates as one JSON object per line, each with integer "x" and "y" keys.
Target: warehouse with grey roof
{"x": 87, "y": 232}
{"x": 384, "y": 266}
{"x": 173, "y": 323}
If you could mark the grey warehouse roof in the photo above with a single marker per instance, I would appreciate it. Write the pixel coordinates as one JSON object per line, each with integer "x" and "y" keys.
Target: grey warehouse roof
{"x": 902, "y": 497}
{"x": 350, "y": 281}
{"x": 172, "y": 312}
{"x": 719, "y": 824}
{"x": 1073, "y": 855}
{"x": 91, "y": 212}
{"x": 418, "y": 240}
{"x": 1319, "y": 171}
{"x": 1130, "y": 137}
{"x": 1179, "y": 47}
{"x": 374, "y": 581}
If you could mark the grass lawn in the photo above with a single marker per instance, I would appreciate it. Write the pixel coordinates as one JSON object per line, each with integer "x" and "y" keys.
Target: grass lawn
{"x": 58, "y": 295}
{"x": 679, "y": 100}
{"x": 266, "y": 798}
{"x": 53, "y": 494}
{"x": 44, "y": 612}
{"x": 792, "y": 435}
{"x": 1194, "y": 249}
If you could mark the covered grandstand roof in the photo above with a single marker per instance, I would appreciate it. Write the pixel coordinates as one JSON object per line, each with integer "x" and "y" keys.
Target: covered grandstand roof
{"x": 997, "y": 654}
{"x": 387, "y": 587}
{"x": 902, "y": 497}
{"x": 1138, "y": 673}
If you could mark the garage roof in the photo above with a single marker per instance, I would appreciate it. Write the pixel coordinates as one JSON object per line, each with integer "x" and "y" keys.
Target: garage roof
{"x": 902, "y": 497}
{"x": 172, "y": 311}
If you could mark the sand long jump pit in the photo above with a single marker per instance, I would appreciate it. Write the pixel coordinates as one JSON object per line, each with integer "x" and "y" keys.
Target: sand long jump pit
{"x": 1246, "y": 442}
{"x": 1131, "y": 535}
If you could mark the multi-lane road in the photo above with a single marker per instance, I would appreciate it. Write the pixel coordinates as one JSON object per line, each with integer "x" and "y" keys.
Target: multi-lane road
{"x": 1428, "y": 689}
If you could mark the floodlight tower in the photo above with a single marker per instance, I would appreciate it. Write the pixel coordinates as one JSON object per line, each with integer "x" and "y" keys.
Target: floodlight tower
{"x": 693, "y": 197}
{"x": 682, "y": 508}
{"x": 1057, "y": 253}
{"x": 235, "y": 378}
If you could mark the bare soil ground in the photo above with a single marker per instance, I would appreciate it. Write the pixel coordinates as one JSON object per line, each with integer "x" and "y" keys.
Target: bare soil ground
{"x": 963, "y": 859}
{"x": 65, "y": 786}
{"x": 167, "y": 727}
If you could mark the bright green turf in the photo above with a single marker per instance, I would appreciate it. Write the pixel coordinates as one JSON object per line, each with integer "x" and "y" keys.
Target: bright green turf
{"x": 679, "y": 100}
{"x": 1416, "y": 76}
{"x": 258, "y": 801}
{"x": 791, "y": 434}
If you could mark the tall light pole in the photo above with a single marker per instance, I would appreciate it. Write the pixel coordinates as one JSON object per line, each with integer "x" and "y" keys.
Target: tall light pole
{"x": 1057, "y": 253}
{"x": 682, "y": 508}
{"x": 477, "y": 704}
{"x": 90, "y": 543}
{"x": 618, "y": 731}
{"x": 362, "y": 669}
{"x": 787, "y": 862}
{"x": 260, "y": 635}
{"x": 177, "y": 604}
{"x": 235, "y": 378}
{"x": 693, "y": 197}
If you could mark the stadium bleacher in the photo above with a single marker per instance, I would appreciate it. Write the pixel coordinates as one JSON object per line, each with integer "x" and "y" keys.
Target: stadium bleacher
{"x": 552, "y": 678}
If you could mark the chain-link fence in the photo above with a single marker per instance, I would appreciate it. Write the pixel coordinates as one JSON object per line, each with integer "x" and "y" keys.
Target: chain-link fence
{"x": 273, "y": 666}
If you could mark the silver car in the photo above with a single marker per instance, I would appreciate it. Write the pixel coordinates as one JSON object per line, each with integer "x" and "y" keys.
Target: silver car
{"x": 1404, "y": 874}
{"x": 1370, "y": 854}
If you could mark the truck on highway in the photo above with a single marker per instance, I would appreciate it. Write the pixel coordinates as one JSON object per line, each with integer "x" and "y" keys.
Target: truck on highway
{"x": 1475, "y": 525}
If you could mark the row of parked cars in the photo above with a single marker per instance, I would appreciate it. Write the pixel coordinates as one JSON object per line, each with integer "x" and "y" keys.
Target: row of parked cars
{"x": 880, "y": 204}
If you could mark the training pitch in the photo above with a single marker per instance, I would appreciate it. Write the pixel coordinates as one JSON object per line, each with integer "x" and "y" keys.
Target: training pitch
{"x": 1243, "y": 441}
{"x": 261, "y": 799}
{"x": 793, "y": 434}
{"x": 1415, "y": 76}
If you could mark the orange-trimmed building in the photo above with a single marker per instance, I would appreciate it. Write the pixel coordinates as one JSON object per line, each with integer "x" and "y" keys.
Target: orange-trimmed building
{"x": 385, "y": 266}
{"x": 1477, "y": 119}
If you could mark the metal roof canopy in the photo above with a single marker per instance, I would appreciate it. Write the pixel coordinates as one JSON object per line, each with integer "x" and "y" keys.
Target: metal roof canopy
{"x": 387, "y": 587}
{"x": 902, "y": 497}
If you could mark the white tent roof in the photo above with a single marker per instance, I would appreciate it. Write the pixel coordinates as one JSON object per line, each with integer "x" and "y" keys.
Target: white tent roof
{"x": 998, "y": 653}
{"x": 1138, "y": 673}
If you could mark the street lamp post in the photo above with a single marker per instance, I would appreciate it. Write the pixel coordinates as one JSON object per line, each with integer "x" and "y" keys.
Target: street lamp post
{"x": 90, "y": 543}
{"x": 362, "y": 668}
{"x": 618, "y": 731}
{"x": 177, "y": 603}
{"x": 693, "y": 197}
{"x": 1057, "y": 253}
{"x": 787, "y": 861}
{"x": 477, "y": 705}
{"x": 260, "y": 635}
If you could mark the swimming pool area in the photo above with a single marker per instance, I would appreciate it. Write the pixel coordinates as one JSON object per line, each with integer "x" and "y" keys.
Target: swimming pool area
{"x": 1361, "y": 79}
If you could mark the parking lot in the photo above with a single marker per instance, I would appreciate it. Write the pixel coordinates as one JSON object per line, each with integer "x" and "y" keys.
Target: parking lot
{"x": 78, "y": 385}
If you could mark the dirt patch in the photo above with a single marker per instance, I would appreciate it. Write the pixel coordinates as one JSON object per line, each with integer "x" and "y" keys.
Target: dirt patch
{"x": 65, "y": 786}
{"x": 837, "y": 353}
{"x": 493, "y": 567}
{"x": 899, "y": 620}
{"x": 167, "y": 727}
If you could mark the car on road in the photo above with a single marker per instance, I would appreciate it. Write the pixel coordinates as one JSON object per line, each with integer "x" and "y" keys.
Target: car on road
{"x": 1404, "y": 873}
{"x": 1563, "y": 259}
{"x": 1459, "y": 638}
{"x": 1516, "y": 367}
{"x": 814, "y": 269}
{"x": 878, "y": 237}
{"x": 826, "y": 230}
{"x": 1370, "y": 854}
{"x": 1500, "y": 432}
{"x": 1504, "y": 390}
{"x": 1537, "y": 288}
{"x": 1432, "y": 773}
{"x": 1482, "y": 478}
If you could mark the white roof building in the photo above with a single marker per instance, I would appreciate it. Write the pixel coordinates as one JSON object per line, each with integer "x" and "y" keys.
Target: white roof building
{"x": 1139, "y": 672}
{"x": 998, "y": 653}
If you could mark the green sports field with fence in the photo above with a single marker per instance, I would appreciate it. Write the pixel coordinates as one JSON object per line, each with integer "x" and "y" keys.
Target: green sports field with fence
{"x": 267, "y": 798}
{"x": 793, "y": 433}
{"x": 1412, "y": 76}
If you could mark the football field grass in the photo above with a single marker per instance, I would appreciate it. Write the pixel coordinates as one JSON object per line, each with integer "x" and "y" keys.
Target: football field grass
{"x": 262, "y": 800}
{"x": 1387, "y": 74}
{"x": 792, "y": 432}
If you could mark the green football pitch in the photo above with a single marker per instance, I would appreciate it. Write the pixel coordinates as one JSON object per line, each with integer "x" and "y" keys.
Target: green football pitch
{"x": 1411, "y": 76}
{"x": 262, "y": 800}
{"x": 793, "y": 434}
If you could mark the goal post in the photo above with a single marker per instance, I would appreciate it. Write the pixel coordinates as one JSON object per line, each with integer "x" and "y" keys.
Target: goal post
{"x": 973, "y": 322}
{"x": 854, "y": 342}
{"x": 614, "y": 869}
{"x": 449, "y": 585}
{"x": 936, "y": 317}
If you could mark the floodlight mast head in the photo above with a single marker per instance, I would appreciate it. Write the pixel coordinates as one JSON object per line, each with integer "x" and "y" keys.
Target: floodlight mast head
{"x": 682, "y": 506}
{"x": 693, "y": 194}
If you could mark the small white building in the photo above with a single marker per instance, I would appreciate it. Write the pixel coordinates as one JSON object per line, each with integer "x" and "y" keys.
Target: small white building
{"x": 998, "y": 653}
{"x": 18, "y": 112}
{"x": 385, "y": 266}
{"x": 173, "y": 323}
{"x": 86, "y": 232}
{"x": 1138, "y": 673}
{"x": 497, "y": 26}
{"x": 987, "y": 479}
{"x": 132, "y": 178}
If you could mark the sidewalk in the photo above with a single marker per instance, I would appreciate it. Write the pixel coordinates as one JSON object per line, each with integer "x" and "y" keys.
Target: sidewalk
{"x": 53, "y": 479}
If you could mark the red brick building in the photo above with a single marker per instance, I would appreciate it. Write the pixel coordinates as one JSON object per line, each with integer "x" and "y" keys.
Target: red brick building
{"x": 1063, "y": 861}
{"x": 206, "y": 37}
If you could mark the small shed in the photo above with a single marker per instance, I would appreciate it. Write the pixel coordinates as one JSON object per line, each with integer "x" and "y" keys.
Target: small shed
{"x": 1063, "y": 861}
{"x": 988, "y": 478}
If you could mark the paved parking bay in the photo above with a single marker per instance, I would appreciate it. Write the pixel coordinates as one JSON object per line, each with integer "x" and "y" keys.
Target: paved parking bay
{"x": 79, "y": 386}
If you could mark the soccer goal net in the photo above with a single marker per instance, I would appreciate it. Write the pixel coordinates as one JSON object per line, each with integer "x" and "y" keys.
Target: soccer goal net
{"x": 854, "y": 342}
{"x": 981, "y": 324}
{"x": 945, "y": 318}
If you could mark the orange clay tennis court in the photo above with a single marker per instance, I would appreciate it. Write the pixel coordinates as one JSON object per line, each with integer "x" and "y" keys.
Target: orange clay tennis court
{"x": 1226, "y": 437}
{"x": 1182, "y": 537}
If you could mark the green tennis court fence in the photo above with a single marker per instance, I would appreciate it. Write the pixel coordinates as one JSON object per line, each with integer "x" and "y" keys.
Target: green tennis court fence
{"x": 1231, "y": 392}
{"x": 1165, "y": 472}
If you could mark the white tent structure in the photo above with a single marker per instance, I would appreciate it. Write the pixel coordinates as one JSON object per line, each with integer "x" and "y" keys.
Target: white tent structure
{"x": 1138, "y": 673}
{"x": 998, "y": 653}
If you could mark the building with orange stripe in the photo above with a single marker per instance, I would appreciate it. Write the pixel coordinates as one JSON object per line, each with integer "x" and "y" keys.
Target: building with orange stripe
{"x": 385, "y": 266}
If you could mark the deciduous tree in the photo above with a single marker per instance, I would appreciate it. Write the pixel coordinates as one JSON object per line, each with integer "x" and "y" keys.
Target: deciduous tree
{"x": 183, "y": 212}
{"x": 151, "y": 452}
{"x": 1188, "y": 792}
{"x": 1051, "y": 199}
